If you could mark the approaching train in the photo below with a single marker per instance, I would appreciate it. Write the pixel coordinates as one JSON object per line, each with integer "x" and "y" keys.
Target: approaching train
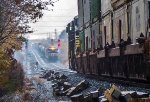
{"x": 49, "y": 49}
{"x": 52, "y": 53}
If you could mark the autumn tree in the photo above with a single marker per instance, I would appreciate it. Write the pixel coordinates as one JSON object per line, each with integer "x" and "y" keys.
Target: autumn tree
{"x": 14, "y": 18}
{"x": 15, "y": 15}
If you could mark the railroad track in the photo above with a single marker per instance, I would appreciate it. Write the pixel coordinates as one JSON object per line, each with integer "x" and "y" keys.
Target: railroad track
{"x": 129, "y": 82}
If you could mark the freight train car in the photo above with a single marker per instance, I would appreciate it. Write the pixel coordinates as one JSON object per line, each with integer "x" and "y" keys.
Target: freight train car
{"x": 129, "y": 62}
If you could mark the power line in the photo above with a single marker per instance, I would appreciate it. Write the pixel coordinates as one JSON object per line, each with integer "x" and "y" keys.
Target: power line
{"x": 44, "y": 33}
{"x": 48, "y": 33}
{"x": 58, "y": 16}
{"x": 48, "y": 26}
{"x": 65, "y": 9}
{"x": 54, "y": 21}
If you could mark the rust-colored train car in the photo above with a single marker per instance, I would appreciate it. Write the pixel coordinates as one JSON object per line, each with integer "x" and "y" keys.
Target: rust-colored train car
{"x": 132, "y": 62}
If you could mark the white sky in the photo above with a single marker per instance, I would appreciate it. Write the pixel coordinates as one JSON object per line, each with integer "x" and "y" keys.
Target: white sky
{"x": 63, "y": 12}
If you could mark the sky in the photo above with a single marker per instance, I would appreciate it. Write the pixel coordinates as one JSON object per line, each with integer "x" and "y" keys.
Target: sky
{"x": 63, "y": 12}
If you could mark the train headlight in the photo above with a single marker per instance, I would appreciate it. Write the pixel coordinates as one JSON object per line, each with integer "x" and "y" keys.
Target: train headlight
{"x": 53, "y": 48}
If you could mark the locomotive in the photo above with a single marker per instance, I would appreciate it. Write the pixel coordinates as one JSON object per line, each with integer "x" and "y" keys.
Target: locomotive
{"x": 49, "y": 49}
{"x": 52, "y": 53}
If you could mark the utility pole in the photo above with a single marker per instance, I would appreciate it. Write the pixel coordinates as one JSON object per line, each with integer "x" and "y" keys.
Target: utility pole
{"x": 56, "y": 38}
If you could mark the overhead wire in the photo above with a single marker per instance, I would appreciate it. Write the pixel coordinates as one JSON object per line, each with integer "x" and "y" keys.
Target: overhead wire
{"x": 48, "y": 26}
{"x": 58, "y": 16}
{"x": 46, "y": 33}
